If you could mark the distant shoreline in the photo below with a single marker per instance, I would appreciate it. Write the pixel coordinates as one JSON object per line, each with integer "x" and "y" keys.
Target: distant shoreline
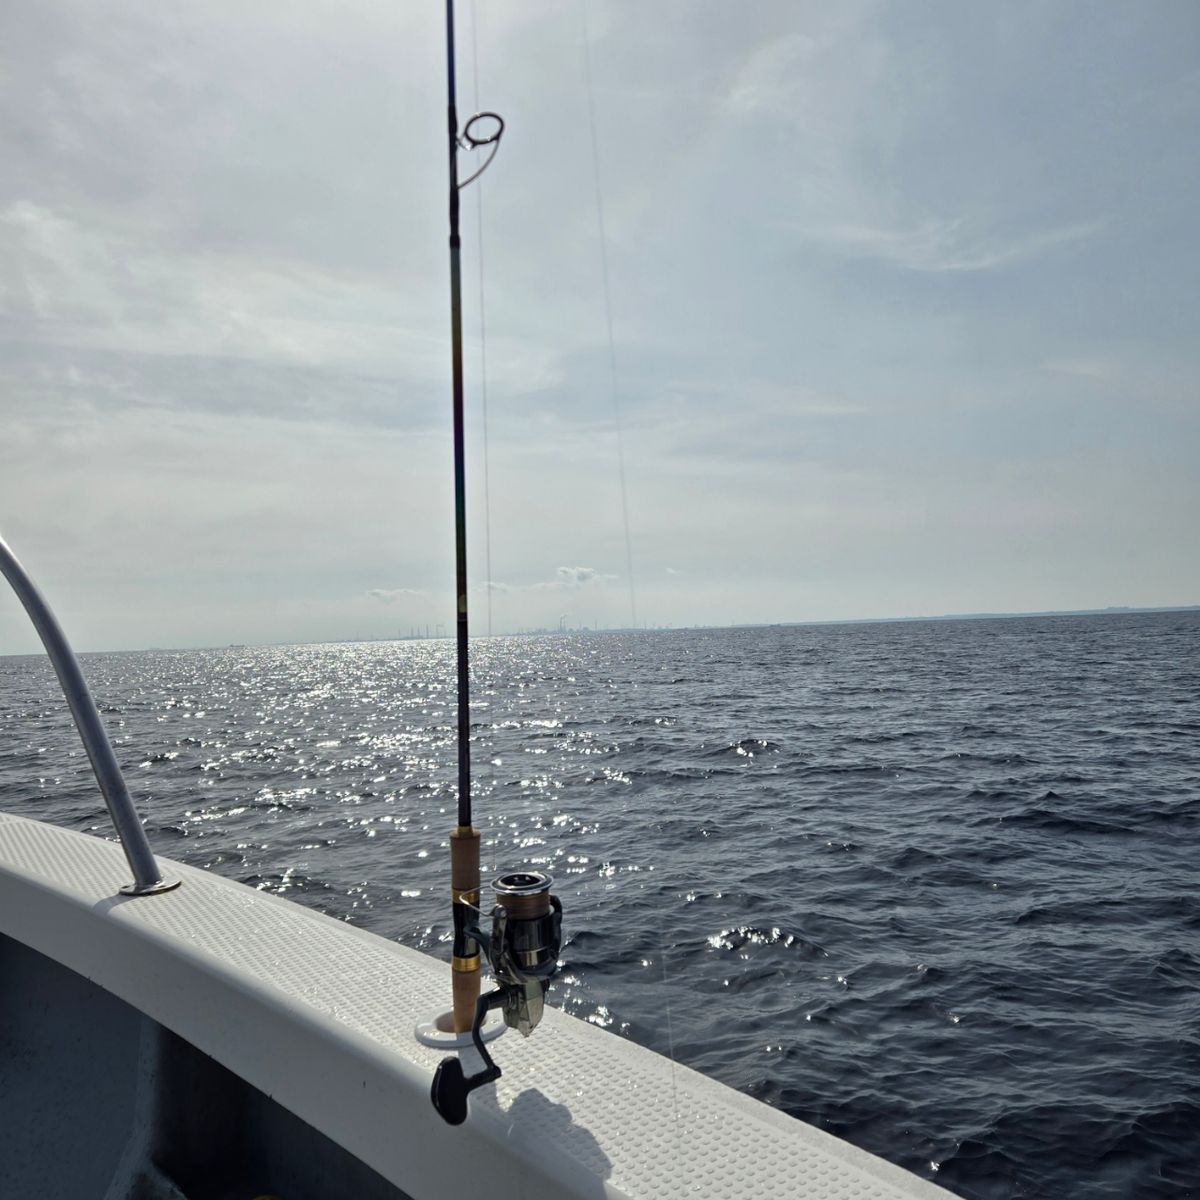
{"x": 1111, "y": 611}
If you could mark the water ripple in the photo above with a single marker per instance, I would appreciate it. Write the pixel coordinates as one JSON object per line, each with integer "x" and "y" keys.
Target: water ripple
{"x": 929, "y": 886}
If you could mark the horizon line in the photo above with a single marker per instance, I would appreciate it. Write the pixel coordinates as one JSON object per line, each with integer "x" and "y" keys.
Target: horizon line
{"x": 1109, "y": 610}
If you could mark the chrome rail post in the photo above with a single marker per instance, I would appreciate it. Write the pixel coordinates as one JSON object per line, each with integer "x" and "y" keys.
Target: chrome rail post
{"x": 147, "y": 878}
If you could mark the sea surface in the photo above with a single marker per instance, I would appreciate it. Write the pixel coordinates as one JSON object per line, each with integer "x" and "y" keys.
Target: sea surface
{"x": 932, "y": 886}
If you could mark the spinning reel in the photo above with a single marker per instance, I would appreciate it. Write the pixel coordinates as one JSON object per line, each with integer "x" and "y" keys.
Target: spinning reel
{"x": 523, "y": 953}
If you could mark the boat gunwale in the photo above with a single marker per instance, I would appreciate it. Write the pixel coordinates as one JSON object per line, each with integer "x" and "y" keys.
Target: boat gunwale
{"x": 580, "y": 1111}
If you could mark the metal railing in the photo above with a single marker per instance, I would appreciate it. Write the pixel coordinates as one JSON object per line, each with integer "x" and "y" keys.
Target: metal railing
{"x": 147, "y": 878}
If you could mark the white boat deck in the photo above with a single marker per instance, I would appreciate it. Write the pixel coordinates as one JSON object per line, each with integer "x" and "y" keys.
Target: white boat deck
{"x": 320, "y": 1016}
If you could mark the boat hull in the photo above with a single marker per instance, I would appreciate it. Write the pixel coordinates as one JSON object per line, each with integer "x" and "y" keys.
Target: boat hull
{"x": 271, "y": 1006}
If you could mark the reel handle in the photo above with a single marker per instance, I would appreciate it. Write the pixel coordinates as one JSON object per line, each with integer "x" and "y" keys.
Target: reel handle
{"x": 451, "y": 1085}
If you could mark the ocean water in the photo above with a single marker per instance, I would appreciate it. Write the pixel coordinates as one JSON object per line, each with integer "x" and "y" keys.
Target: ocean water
{"x": 932, "y": 886}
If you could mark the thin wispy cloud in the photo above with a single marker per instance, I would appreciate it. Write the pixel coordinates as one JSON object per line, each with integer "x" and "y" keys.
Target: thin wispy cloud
{"x": 1081, "y": 368}
{"x": 832, "y": 98}
{"x": 566, "y": 579}
{"x": 950, "y": 245}
{"x": 392, "y": 595}
{"x": 105, "y": 285}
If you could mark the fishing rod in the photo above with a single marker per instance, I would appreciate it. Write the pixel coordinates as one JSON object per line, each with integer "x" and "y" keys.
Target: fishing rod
{"x": 526, "y": 922}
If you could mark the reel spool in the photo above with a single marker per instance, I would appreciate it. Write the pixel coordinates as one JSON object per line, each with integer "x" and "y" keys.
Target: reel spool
{"x": 523, "y": 949}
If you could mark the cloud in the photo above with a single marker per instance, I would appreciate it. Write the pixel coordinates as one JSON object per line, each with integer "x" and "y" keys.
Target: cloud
{"x": 391, "y": 595}
{"x": 1080, "y": 368}
{"x": 573, "y": 577}
{"x": 950, "y": 244}
{"x": 929, "y": 179}
{"x": 567, "y": 579}
{"x": 90, "y": 282}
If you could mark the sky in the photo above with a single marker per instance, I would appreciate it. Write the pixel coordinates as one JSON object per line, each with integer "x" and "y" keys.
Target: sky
{"x": 903, "y": 298}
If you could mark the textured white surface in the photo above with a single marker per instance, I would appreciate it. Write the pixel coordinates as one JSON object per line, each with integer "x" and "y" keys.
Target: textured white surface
{"x": 320, "y": 1016}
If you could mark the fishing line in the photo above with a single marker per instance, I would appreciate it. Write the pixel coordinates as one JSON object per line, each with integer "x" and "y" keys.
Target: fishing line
{"x": 612, "y": 351}
{"x": 487, "y": 490}
{"x": 612, "y": 370}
